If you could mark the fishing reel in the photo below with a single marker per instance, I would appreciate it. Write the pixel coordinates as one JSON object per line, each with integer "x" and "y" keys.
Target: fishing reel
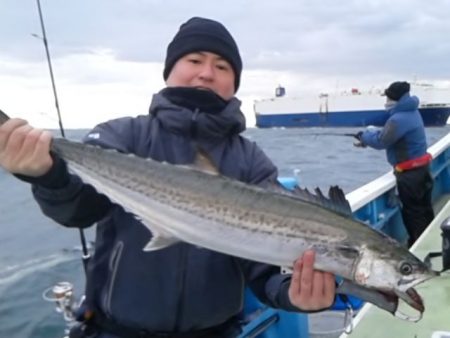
{"x": 63, "y": 296}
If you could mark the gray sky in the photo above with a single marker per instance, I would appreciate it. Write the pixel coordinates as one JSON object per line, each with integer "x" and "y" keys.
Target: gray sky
{"x": 107, "y": 55}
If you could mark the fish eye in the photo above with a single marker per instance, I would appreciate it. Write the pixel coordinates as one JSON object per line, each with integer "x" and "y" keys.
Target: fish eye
{"x": 406, "y": 268}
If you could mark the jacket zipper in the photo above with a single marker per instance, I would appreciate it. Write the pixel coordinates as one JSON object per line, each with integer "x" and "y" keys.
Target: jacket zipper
{"x": 194, "y": 123}
{"x": 113, "y": 267}
{"x": 182, "y": 281}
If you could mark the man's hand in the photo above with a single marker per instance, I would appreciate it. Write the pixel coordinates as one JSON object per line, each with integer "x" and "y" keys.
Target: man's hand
{"x": 24, "y": 149}
{"x": 311, "y": 289}
{"x": 359, "y": 143}
{"x": 358, "y": 135}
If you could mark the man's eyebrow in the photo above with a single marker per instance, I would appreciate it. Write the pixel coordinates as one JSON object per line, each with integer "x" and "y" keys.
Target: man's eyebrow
{"x": 204, "y": 52}
{"x": 198, "y": 52}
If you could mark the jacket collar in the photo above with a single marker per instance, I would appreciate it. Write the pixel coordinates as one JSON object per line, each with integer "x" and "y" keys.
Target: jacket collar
{"x": 197, "y": 123}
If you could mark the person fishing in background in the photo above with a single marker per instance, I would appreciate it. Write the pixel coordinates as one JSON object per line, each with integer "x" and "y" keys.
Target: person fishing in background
{"x": 181, "y": 290}
{"x": 403, "y": 137}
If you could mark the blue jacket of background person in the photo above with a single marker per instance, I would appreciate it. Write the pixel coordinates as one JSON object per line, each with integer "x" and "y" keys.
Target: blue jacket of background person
{"x": 182, "y": 287}
{"x": 403, "y": 135}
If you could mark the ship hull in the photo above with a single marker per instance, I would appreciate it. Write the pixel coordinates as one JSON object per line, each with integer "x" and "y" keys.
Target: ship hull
{"x": 432, "y": 117}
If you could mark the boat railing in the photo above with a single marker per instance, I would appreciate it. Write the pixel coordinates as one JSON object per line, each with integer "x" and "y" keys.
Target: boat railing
{"x": 375, "y": 204}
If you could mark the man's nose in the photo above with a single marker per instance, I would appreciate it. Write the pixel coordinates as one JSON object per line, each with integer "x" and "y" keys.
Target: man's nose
{"x": 207, "y": 71}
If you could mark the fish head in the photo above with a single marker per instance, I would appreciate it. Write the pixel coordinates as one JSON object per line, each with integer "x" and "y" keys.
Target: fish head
{"x": 395, "y": 274}
{"x": 400, "y": 273}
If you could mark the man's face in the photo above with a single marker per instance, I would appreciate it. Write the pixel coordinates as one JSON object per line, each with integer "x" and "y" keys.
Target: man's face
{"x": 203, "y": 70}
{"x": 389, "y": 103}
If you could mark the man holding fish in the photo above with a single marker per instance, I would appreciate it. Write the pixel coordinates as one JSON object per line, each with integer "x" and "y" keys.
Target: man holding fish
{"x": 176, "y": 289}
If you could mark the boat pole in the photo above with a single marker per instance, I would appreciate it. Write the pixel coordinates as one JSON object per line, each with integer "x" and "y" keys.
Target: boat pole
{"x": 86, "y": 256}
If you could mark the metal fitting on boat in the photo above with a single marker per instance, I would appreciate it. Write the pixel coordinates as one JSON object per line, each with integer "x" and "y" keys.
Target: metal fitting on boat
{"x": 445, "y": 228}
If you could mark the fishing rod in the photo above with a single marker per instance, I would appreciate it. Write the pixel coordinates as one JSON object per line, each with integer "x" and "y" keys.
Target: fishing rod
{"x": 344, "y": 134}
{"x": 332, "y": 134}
{"x": 47, "y": 51}
{"x": 86, "y": 256}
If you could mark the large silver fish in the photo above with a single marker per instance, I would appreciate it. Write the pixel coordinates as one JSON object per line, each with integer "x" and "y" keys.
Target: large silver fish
{"x": 266, "y": 225}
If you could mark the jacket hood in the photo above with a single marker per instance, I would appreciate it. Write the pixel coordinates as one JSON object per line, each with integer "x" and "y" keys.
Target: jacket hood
{"x": 405, "y": 104}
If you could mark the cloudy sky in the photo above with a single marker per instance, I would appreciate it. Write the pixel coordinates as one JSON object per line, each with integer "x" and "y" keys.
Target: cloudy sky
{"x": 108, "y": 55}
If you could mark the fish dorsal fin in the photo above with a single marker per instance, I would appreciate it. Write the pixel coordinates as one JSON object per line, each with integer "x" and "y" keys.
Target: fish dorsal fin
{"x": 335, "y": 201}
{"x": 276, "y": 187}
{"x": 337, "y": 195}
{"x": 204, "y": 163}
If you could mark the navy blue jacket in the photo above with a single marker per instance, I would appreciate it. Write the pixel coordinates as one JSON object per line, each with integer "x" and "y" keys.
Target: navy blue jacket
{"x": 403, "y": 135}
{"x": 182, "y": 287}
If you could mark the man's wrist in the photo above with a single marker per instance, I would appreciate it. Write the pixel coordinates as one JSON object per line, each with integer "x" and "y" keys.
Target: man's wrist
{"x": 57, "y": 177}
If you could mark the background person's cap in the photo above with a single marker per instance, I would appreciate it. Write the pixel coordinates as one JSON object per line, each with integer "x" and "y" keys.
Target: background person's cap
{"x": 397, "y": 89}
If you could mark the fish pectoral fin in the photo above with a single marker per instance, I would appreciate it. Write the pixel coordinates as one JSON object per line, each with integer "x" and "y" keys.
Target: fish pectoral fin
{"x": 160, "y": 239}
{"x": 348, "y": 252}
{"x": 159, "y": 242}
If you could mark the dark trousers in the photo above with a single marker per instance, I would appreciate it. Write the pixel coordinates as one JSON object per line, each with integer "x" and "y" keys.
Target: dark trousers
{"x": 414, "y": 189}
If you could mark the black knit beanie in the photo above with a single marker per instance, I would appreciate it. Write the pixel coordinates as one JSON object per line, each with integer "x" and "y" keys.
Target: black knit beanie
{"x": 397, "y": 89}
{"x": 200, "y": 34}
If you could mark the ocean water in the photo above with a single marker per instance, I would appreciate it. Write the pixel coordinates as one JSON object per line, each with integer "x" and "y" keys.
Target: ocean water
{"x": 36, "y": 253}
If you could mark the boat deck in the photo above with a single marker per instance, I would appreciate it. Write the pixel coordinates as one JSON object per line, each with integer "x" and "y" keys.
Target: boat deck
{"x": 373, "y": 322}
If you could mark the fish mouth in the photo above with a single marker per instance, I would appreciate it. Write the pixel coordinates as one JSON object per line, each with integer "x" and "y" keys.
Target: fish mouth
{"x": 412, "y": 297}
{"x": 387, "y": 299}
